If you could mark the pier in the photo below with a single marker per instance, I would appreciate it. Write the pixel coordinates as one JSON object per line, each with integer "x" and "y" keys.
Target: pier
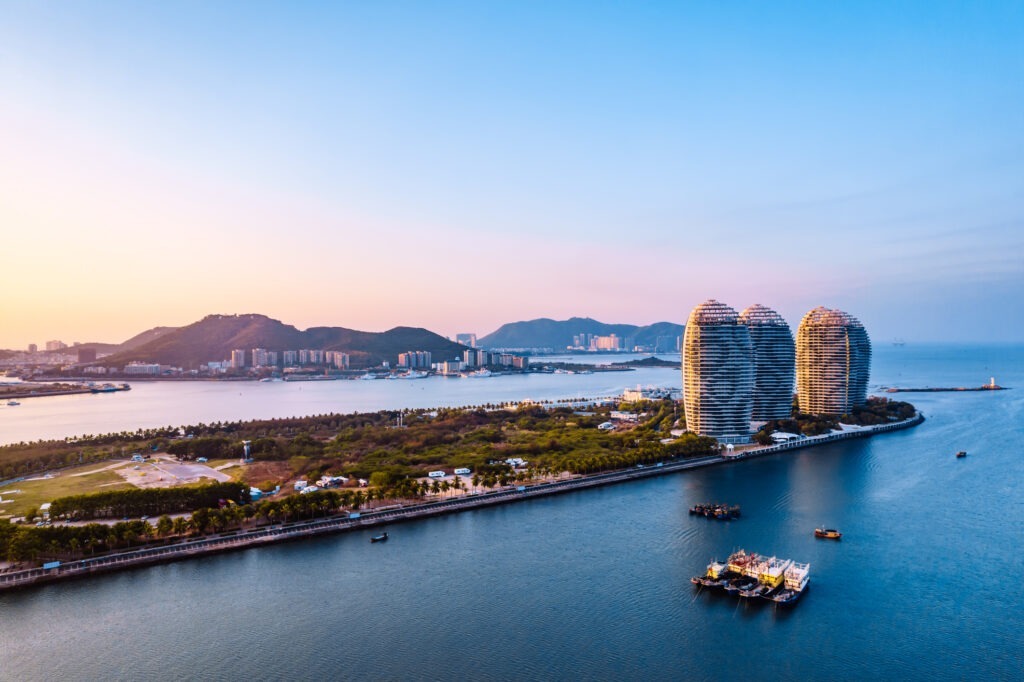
{"x": 242, "y": 539}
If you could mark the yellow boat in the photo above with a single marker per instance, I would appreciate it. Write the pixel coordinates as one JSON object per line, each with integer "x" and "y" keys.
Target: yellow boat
{"x": 827, "y": 533}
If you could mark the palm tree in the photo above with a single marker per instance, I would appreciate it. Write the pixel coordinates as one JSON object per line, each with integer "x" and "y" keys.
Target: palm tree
{"x": 179, "y": 526}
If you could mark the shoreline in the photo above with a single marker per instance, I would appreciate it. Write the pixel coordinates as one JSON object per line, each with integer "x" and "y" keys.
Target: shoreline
{"x": 255, "y": 537}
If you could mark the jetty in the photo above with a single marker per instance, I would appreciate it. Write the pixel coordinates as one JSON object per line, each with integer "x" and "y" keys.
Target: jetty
{"x": 187, "y": 548}
{"x": 990, "y": 386}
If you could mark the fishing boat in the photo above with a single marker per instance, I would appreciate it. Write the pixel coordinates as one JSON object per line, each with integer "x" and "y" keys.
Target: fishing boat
{"x": 716, "y": 575}
{"x": 379, "y": 538}
{"x": 962, "y": 453}
{"x": 827, "y": 533}
{"x": 770, "y": 575}
{"x": 711, "y": 510}
{"x": 740, "y": 585}
{"x": 797, "y": 577}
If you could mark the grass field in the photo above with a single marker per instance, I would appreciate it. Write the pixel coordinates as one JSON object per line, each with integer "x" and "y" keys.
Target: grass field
{"x": 35, "y": 493}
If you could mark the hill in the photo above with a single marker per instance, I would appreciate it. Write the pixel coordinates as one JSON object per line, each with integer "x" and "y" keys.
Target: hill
{"x": 134, "y": 342}
{"x": 215, "y": 336}
{"x": 558, "y": 334}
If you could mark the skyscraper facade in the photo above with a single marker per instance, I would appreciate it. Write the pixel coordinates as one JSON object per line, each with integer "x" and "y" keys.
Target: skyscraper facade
{"x": 774, "y": 357}
{"x": 718, "y": 373}
{"x": 833, "y": 362}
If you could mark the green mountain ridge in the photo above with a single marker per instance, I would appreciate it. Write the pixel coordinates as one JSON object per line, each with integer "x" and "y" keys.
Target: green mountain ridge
{"x": 558, "y": 334}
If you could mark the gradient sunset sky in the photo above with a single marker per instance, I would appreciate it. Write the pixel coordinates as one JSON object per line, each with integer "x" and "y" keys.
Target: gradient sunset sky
{"x": 460, "y": 165}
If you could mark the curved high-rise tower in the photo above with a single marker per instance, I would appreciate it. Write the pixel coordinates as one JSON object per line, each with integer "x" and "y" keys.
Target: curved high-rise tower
{"x": 833, "y": 362}
{"x": 774, "y": 362}
{"x": 718, "y": 373}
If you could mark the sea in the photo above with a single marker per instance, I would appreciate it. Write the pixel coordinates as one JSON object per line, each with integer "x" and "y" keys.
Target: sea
{"x": 595, "y": 584}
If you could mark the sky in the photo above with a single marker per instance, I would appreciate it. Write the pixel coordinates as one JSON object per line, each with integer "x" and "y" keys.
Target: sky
{"x": 459, "y": 165}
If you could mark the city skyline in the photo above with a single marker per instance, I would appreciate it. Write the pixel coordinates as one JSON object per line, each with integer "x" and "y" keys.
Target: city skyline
{"x": 458, "y": 167}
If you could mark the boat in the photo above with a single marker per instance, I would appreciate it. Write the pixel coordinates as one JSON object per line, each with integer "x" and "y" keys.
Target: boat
{"x": 827, "y": 533}
{"x": 962, "y": 453}
{"x": 379, "y": 538}
{"x": 368, "y": 377}
{"x": 759, "y": 591}
{"x": 797, "y": 576}
{"x": 711, "y": 510}
{"x": 741, "y": 584}
{"x": 478, "y": 374}
{"x": 769, "y": 576}
{"x": 408, "y": 375}
{"x": 717, "y": 575}
{"x": 13, "y": 403}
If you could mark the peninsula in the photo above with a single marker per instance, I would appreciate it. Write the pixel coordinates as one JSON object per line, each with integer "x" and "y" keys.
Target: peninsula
{"x": 336, "y": 472}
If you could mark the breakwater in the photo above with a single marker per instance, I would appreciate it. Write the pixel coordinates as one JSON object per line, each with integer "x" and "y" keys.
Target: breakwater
{"x": 233, "y": 540}
{"x": 946, "y": 389}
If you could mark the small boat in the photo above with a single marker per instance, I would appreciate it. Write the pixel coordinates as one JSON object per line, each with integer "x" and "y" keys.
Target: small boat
{"x": 786, "y": 597}
{"x": 739, "y": 585}
{"x": 962, "y": 453}
{"x": 759, "y": 591}
{"x": 379, "y": 538}
{"x": 827, "y": 533}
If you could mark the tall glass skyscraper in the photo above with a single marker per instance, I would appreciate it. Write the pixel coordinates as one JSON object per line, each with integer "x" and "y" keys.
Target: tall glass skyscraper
{"x": 774, "y": 362}
{"x": 833, "y": 362}
{"x": 718, "y": 373}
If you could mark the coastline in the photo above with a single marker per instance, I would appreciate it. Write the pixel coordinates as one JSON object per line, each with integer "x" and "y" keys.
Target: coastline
{"x": 243, "y": 539}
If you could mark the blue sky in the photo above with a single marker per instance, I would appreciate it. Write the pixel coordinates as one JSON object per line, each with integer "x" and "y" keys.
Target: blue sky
{"x": 461, "y": 165}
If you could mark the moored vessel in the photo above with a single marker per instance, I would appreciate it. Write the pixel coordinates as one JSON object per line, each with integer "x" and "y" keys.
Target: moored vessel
{"x": 754, "y": 576}
{"x": 796, "y": 579}
{"x": 714, "y": 510}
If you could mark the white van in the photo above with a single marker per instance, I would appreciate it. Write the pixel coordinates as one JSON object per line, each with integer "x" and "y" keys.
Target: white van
{"x": 437, "y": 474}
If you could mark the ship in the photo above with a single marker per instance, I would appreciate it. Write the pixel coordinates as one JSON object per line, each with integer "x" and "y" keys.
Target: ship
{"x": 716, "y": 575}
{"x": 379, "y": 538}
{"x": 796, "y": 578}
{"x": 412, "y": 374}
{"x": 962, "y": 453}
{"x": 827, "y": 533}
{"x": 770, "y": 577}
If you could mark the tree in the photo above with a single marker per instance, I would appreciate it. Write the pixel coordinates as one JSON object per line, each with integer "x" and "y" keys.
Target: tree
{"x": 164, "y": 526}
{"x": 179, "y": 526}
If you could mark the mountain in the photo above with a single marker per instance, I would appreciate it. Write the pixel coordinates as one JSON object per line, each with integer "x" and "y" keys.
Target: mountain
{"x": 558, "y": 334}
{"x": 215, "y": 336}
{"x": 134, "y": 342}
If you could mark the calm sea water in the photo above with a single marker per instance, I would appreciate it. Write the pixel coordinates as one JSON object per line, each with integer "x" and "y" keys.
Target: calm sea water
{"x": 174, "y": 403}
{"x": 595, "y": 584}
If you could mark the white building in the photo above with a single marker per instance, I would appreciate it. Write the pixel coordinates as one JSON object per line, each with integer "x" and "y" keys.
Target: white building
{"x": 718, "y": 374}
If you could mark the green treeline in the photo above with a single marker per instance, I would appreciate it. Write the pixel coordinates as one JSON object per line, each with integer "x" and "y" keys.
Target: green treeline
{"x": 876, "y": 411}
{"x": 147, "y": 501}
